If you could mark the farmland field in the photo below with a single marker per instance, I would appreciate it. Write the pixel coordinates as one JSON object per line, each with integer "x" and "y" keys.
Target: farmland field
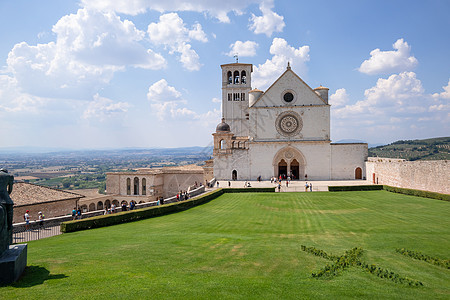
{"x": 248, "y": 246}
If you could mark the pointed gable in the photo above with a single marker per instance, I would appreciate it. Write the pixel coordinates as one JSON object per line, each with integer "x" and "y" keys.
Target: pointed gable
{"x": 289, "y": 90}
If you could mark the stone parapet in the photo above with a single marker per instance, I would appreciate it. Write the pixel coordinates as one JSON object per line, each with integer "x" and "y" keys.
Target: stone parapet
{"x": 430, "y": 176}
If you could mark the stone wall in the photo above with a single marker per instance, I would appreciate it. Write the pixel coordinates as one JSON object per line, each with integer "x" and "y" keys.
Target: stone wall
{"x": 420, "y": 175}
{"x": 346, "y": 158}
{"x": 49, "y": 209}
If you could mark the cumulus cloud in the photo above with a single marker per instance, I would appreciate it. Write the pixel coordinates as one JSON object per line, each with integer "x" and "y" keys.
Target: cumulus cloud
{"x": 13, "y": 101}
{"x": 168, "y": 102}
{"x": 267, "y": 73}
{"x": 90, "y": 47}
{"x": 103, "y": 108}
{"x": 445, "y": 94}
{"x": 383, "y": 62}
{"x": 269, "y": 22}
{"x": 243, "y": 49}
{"x": 339, "y": 98}
{"x": 171, "y": 31}
{"x": 215, "y": 8}
{"x": 396, "y": 107}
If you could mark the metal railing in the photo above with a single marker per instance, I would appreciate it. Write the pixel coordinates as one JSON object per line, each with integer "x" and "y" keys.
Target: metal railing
{"x": 35, "y": 232}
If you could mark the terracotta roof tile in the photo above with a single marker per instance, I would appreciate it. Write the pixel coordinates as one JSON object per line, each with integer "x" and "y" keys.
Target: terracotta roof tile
{"x": 26, "y": 193}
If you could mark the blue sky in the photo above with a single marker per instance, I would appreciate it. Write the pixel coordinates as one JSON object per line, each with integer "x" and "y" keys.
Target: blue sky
{"x": 118, "y": 73}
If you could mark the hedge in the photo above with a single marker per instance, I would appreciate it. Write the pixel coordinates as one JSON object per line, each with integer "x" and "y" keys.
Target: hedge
{"x": 419, "y": 193}
{"x": 149, "y": 212}
{"x": 411, "y": 192}
{"x": 355, "y": 188}
{"x": 249, "y": 190}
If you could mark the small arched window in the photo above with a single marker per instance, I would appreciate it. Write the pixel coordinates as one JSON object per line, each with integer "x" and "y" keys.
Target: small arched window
{"x": 128, "y": 186}
{"x": 243, "y": 77}
{"x": 236, "y": 77}
{"x": 222, "y": 144}
{"x": 230, "y": 77}
{"x": 136, "y": 186}
{"x": 144, "y": 186}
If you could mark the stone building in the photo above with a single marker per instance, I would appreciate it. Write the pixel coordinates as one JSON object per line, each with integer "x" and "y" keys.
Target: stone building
{"x": 283, "y": 131}
{"x": 146, "y": 185}
{"x": 35, "y": 198}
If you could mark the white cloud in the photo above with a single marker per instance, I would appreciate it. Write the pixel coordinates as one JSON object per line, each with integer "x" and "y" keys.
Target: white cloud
{"x": 173, "y": 33}
{"x": 216, "y": 100}
{"x": 215, "y": 8}
{"x": 90, "y": 47}
{"x": 383, "y": 62}
{"x": 243, "y": 49}
{"x": 167, "y": 102}
{"x": 267, "y": 73}
{"x": 339, "y": 98}
{"x": 445, "y": 94}
{"x": 13, "y": 101}
{"x": 269, "y": 22}
{"x": 102, "y": 108}
{"x": 396, "y": 107}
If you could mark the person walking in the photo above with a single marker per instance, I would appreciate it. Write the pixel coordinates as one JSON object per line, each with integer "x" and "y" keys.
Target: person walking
{"x": 310, "y": 187}
{"x": 306, "y": 187}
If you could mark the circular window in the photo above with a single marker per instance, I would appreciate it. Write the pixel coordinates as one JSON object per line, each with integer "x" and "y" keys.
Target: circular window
{"x": 288, "y": 97}
{"x": 289, "y": 123}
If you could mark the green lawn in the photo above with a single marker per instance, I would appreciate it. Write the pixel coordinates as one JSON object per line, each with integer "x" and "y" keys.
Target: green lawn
{"x": 248, "y": 246}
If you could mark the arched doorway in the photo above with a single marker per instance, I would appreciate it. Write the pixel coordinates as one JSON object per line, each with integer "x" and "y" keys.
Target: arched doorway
{"x": 289, "y": 161}
{"x": 358, "y": 173}
{"x": 107, "y": 204}
{"x": 99, "y": 205}
{"x": 234, "y": 175}
{"x": 295, "y": 168}
{"x": 92, "y": 207}
{"x": 282, "y": 169}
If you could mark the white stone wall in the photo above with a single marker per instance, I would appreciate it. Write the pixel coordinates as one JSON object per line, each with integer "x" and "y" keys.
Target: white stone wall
{"x": 420, "y": 175}
{"x": 345, "y": 158}
{"x": 225, "y": 164}
{"x": 315, "y": 120}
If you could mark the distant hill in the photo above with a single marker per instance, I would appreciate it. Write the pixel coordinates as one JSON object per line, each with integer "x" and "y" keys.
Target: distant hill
{"x": 429, "y": 149}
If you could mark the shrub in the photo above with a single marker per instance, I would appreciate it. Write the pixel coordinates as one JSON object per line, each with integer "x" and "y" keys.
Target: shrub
{"x": 355, "y": 188}
{"x": 420, "y": 256}
{"x": 419, "y": 193}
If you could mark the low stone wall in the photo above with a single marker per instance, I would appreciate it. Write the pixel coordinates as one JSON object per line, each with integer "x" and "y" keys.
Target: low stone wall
{"x": 433, "y": 175}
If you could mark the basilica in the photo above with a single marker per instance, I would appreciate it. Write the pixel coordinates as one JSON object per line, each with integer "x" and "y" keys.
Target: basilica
{"x": 283, "y": 131}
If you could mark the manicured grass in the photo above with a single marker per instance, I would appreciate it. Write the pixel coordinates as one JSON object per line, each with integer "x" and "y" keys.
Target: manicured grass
{"x": 247, "y": 246}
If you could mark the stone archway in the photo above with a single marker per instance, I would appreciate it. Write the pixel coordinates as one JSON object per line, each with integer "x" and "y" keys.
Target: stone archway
{"x": 358, "y": 173}
{"x": 291, "y": 161}
{"x": 234, "y": 175}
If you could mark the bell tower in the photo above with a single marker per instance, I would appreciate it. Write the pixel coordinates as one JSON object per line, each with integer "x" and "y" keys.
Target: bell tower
{"x": 236, "y": 83}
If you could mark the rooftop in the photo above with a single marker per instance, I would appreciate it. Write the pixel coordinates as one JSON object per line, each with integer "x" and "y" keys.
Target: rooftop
{"x": 26, "y": 193}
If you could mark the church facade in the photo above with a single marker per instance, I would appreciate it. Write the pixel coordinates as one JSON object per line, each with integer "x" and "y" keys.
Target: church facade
{"x": 283, "y": 131}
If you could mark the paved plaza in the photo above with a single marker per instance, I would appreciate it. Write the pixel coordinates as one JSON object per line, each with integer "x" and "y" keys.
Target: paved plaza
{"x": 294, "y": 186}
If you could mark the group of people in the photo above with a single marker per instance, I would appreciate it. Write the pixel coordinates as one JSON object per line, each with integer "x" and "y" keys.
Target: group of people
{"x": 26, "y": 218}
{"x": 183, "y": 196}
{"x": 308, "y": 186}
{"x": 76, "y": 213}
